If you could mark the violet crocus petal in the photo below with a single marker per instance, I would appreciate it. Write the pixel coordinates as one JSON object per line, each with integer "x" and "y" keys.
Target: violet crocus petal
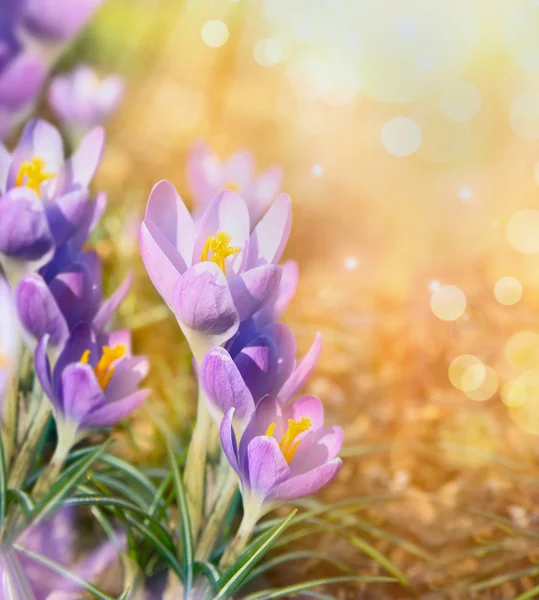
{"x": 238, "y": 169}
{"x": 73, "y": 293}
{"x": 309, "y": 407}
{"x": 204, "y": 173}
{"x": 228, "y": 440}
{"x": 39, "y": 139}
{"x": 223, "y": 384}
{"x": 9, "y": 336}
{"x": 203, "y": 303}
{"x": 270, "y": 236}
{"x": 307, "y": 483}
{"x": 303, "y": 371}
{"x": 285, "y": 344}
{"x": 110, "y": 94}
{"x": 24, "y": 230}
{"x": 226, "y": 212}
{"x": 268, "y": 412}
{"x": 257, "y": 365}
{"x": 65, "y": 215}
{"x": 109, "y": 307}
{"x": 262, "y": 191}
{"x": 163, "y": 262}
{"x": 81, "y": 339}
{"x": 251, "y": 290}
{"x": 247, "y": 331}
{"x": 94, "y": 209}
{"x": 58, "y": 20}
{"x": 92, "y": 263}
{"x": 316, "y": 448}
{"x": 21, "y": 80}
{"x": 167, "y": 210}
{"x": 81, "y": 392}
{"x": 5, "y": 161}
{"x": 128, "y": 373}
{"x": 43, "y": 368}
{"x": 38, "y": 311}
{"x": 267, "y": 465}
{"x": 275, "y": 307}
{"x": 80, "y": 168}
{"x": 110, "y": 413}
{"x": 113, "y": 338}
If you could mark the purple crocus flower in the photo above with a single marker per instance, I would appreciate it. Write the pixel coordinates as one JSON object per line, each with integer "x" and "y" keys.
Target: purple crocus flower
{"x": 74, "y": 294}
{"x": 94, "y": 383}
{"x": 43, "y": 199}
{"x": 207, "y": 175}
{"x": 9, "y": 336}
{"x": 213, "y": 274}
{"x": 253, "y": 364}
{"x": 284, "y": 453}
{"x": 81, "y": 100}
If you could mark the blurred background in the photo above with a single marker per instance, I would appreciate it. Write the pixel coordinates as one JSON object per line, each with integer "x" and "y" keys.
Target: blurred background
{"x": 409, "y": 135}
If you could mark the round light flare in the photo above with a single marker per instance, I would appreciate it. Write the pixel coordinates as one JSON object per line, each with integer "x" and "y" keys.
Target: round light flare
{"x": 488, "y": 386}
{"x": 268, "y": 52}
{"x": 522, "y": 231}
{"x": 524, "y": 115}
{"x": 350, "y": 263}
{"x": 467, "y": 372}
{"x": 461, "y": 101}
{"x": 522, "y": 399}
{"x": 508, "y": 291}
{"x": 401, "y": 136}
{"x": 448, "y": 302}
{"x": 514, "y": 393}
{"x": 522, "y": 350}
{"x": 214, "y": 33}
{"x": 465, "y": 194}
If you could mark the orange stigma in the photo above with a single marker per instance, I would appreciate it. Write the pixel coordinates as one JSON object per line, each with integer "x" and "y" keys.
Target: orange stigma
{"x": 32, "y": 174}
{"x": 104, "y": 369}
{"x": 288, "y": 443}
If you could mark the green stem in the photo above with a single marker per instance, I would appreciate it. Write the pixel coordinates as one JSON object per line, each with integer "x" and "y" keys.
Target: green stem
{"x": 236, "y": 547}
{"x": 195, "y": 465}
{"x": 214, "y": 527}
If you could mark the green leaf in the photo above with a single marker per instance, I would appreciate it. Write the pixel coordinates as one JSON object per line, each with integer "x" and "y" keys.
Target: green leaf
{"x": 210, "y": 571}
{"x": 67, "y": 574}
{"x": 185, "y": 530}
{"x": 65, "y": 483}
{"x": 3, "y": 483}
{"x": 301, "y": 587}
{"x": 23, "y": 499}
{"x": 235, "y": 575}
{"x": 124, "y": 595}
{"x": 501, "y": 579}
{"x": 533, "y": 593}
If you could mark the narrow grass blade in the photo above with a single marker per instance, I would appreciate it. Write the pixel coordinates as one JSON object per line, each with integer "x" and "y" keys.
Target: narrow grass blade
{"x": 291, "y": 590}
{"x": 533, "y": 593}
{"x": 210, "y": 572}
{"x": 23, "y": 499}
{"x": 3, "y": 483}
{"x": 501, "y": 579}
{"x": 185, "y": 530}
{"x": 54, "y": 566}
{"x": 234, "y": 577}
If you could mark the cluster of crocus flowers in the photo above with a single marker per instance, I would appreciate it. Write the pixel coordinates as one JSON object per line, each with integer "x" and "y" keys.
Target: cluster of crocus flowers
{"x": 31, "y": 36}
{"x": 82, "y": 100}
{"x": 219, "y": 274}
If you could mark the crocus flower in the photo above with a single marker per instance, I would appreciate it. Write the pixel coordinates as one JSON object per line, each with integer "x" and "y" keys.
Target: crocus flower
{"x": 72, "y": 296}
{"x": 284, "y": 453}
{"x": 9, "y": 336}
{"x": 81, "y": 100}
{"x": 56, "y": 539}
{"x": 207, "y": 176}
{"x": 215, "y": 273}
{"x": 94, "y": 383}
{"x": 253, "y": 364}
{"x": 43, "y": 199}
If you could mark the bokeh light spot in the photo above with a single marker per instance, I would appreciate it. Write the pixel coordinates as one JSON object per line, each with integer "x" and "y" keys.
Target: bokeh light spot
{"x": 461, "y": 101}
{"x": 525, "y": 413}
{"x": 318, "y": 170}
{"x": 522, "y": 231}
{"x": 214, "y": 33}
{"x": 448, "y": 302}
{"x": 488, "y": 386}
{"x": 459, "y": 368}
{"x": 350, "y": 263}
{"x": 524, "y": 115}
{"x": 268, "y": 52}
{"x": 522, "y": 350}
{"x": 514, "y": 393}
{"x": 401, "y": 136}
{"x": 465, "y": 193}
{"x": 508, "y": 290}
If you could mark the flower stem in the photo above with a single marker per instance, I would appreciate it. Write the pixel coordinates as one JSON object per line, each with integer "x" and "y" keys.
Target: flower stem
{"x": 211, "y": 532}
{"x": 236, "y": 547}
{"x": 49, "y": 475}
{"x": 195, "y": 465}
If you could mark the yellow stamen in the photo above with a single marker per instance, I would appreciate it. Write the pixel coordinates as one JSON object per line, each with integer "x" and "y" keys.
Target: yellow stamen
{"x": 104, "y": 369}
{"x": 233, "y": 186}
{"x": 32, "y": 174}
{"x": 220, "y": 249}
{"x": 288, "y": 443}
